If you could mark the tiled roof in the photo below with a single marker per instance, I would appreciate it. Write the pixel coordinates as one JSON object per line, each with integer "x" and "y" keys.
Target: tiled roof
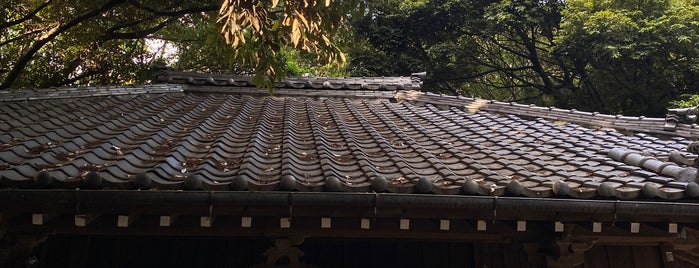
{"x": 344, "y": 83}
{"x": 376, "y": 138}
{"x": 56, "y": 94}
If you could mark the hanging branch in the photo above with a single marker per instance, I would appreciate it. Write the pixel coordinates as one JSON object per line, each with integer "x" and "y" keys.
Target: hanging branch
{"x": 25, "y": 17}
{"x": 257, "y": 29}
{"x": 13, "y": 74}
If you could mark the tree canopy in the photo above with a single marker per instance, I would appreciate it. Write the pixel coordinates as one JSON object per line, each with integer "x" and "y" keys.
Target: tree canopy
{"x": 631, "y": 57}
{"x": 637, "y": 56}
{"x": 261, "y": 29}
{"x": 608, "y": 56}
{"x": 56, "y": 42}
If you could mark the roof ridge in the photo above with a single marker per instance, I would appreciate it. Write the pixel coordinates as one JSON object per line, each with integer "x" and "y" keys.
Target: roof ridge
{"x": 642, "y": 124}
{"x": 413, "y": 82}
{"x": 84, "y": 91}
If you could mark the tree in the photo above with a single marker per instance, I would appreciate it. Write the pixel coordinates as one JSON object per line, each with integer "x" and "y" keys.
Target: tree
{"x": 486, "y": 48}
{"x": 628, "y": 57}
{"x": 638, "y": 55}
{"x": 402, "y": 37}
{"x": 56, "y": 42}
{"x": 258, "y": 30}
{"x": 515, "y": 52}
{"x": 202, "y": 48}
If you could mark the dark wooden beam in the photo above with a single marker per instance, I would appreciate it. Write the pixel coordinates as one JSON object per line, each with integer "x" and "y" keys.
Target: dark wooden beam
{"x": 167, "y": 220}
{"x": 82, "y": 220}
{"x": 41, "y": 218}
{"x": 124, "y": 221}
{"x": 687, "y": 257}
{"x": 619, "y": 233}
{"x": 347, "y": 205}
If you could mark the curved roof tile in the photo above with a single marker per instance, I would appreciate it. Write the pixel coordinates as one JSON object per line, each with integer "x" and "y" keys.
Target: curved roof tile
{"x": 218, "y": 136}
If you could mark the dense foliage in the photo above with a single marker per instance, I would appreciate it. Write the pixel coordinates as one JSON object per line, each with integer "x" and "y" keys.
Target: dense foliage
{"x": 47, "y": 43}
{"x": 631, "y": 57}
{"x": 59, "y": 42}
{"x": 490, "y": 49}
{"x": 260, "y": 30}
{"x": 635, "y": 55}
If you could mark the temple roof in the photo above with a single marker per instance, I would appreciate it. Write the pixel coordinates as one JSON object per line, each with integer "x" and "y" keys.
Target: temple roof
{"x": 219, "y": 133}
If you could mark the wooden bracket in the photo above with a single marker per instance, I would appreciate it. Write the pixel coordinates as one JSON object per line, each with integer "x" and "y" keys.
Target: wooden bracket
{"x": 570, "y": 253}
{"x": 285, "y": 249}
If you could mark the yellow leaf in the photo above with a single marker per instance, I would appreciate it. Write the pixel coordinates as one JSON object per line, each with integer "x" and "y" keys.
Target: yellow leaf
{"x": 295, "y": 32}
{"x": 274, "y": 3}
{"x": 302, "y": 18}
{"x": 241, "y": 37}
{"x": 224, "y": 7}
{"x": 227, "y": 37}
{"x": 327, "y": 3}
{"x": 255, "y": 24}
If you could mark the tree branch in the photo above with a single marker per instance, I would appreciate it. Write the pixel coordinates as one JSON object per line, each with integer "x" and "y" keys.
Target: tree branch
{"x": 21, "y": 36}
{"x": 77, "y": 77}
{"x": 547, "y": 87}
{"x": 525, "y": 99}
{"x": 137, "y": 34}
{"x": 49, "y": 36}
{"x": 118, "y": 27}
{"x": 172, "y": 13}
{"x": 25, "y": 17}
{"x": 174, "y": 39}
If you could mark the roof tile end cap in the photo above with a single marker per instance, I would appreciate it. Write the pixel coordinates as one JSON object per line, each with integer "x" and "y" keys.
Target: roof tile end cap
{"x": 682, "y": 174}
{"x": 692, "y": 189}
